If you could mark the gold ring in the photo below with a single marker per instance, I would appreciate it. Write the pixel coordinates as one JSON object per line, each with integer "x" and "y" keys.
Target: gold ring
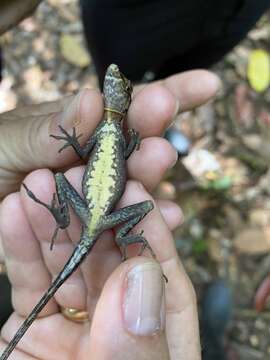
{"x": 75, "y": 315}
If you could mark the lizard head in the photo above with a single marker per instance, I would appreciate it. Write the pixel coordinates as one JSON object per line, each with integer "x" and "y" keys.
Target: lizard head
{"x": 117, "y": 90}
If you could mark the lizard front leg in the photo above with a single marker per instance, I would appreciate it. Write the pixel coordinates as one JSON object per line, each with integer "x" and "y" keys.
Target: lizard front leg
{"x": 66, "y": 194}
{"x": 72, "y": 140}
{"x": 134, "y": 142}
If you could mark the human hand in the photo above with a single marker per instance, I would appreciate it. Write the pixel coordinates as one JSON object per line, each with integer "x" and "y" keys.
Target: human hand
{"x": 25, "y": 144}
{"x": 13, "y": 11}
{"x": 94, "y": 282}
{"x": 24, "y": 136}
{"x": 126, "y": 308}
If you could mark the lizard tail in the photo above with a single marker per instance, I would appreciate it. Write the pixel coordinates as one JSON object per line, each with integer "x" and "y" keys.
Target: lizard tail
{"x": 78, "y": 255}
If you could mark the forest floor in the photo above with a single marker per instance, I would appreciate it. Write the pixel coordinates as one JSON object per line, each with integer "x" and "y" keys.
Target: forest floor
{"x": 226, "y": 199}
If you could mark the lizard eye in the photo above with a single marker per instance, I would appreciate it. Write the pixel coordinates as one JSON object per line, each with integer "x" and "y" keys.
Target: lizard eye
{"x": 129, "y": 87}
{"x": 126, "y": 84}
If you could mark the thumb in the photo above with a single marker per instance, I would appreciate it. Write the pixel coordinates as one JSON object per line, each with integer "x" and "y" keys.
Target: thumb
{"x": 129, "y": 319}
{"x": 25, "y": 135}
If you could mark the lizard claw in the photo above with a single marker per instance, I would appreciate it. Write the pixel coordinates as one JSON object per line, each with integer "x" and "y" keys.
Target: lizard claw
{"x": 64, "y": 147}
{"x": 124, "y": 253}
{"x": 54, "y": 237}
{"x": 145, "y": 245}
{"x": 135, "y": 135}
{"x": 33, "y": 196}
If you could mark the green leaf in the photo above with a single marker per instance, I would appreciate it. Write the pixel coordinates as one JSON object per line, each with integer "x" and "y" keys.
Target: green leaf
{"x": 199, "y": 246}
{"x": 220, "y": 184}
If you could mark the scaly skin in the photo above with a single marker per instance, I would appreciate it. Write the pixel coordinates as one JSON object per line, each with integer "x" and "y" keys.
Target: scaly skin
{"x": 102, "y": 185}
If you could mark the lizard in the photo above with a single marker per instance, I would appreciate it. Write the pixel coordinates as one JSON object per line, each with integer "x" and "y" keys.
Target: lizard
{"x": 103, "y": 184}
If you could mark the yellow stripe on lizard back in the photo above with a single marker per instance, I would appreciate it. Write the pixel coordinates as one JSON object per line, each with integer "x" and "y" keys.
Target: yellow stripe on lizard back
{"x": 101, "y": 180}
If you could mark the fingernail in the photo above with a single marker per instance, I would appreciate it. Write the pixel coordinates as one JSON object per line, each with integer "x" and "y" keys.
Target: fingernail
{"x": 144, "y": 301}
{"x": 177, "y": 108}
{"x": 220, "y": 90}
{"x": 175, "y": 160}
{"x": 216, "y": 83}
{"x": 70, "y": 115}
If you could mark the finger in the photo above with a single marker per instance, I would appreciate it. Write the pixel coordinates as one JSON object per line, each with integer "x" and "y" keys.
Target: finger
{"x": 14, "y": 12}
{"x": 171, "y": 212}
{"x": 149, "y": 164}
{"x": 50, "y": 337}
{"x": 2, "y": 256}
{"x": 152, "y": 110}
{"x": 42, "y": 184}
{"x": 29, "y": 142}
{"x": 129, "y": 320}
{"x": 193, "y": 88}
{"x": 180, "y": 92}
{"x": 181, "y": 306}
{"x": 46, "y": 108}
{"x": 262, "y": 294}
{"x": 27, "y": 273}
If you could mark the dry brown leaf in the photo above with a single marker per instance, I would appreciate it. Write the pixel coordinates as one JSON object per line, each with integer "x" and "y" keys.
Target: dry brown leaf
{"x": 260, "y": 217}
{"x": 253, "y": 241}
{"x": 215, "y": 249}
{"x": 244, "y": 107}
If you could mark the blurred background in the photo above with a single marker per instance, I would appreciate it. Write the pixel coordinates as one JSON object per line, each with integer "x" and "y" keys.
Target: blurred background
{"x": 222, "y": 178}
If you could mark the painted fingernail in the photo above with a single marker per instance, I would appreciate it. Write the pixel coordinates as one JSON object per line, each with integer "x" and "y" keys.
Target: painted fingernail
{"x": 144, "y": 300}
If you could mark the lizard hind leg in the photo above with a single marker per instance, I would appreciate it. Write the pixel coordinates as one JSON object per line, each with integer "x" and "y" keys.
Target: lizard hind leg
{"x": 127, "y": 218}
{"x": 123, "y": 238}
